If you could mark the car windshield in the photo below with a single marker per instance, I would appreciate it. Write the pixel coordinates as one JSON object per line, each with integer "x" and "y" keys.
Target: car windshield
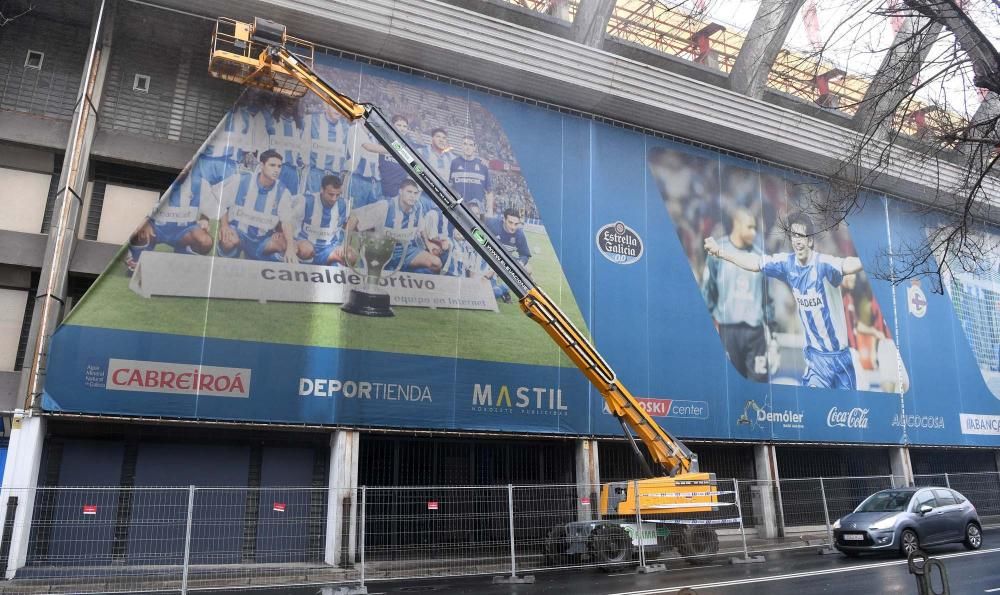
{"x": 886, "y": 502}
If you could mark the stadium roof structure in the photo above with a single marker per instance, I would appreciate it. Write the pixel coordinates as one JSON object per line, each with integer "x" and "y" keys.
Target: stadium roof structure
{"x": 560, "y": 53}
{"x": 830, "y": 57}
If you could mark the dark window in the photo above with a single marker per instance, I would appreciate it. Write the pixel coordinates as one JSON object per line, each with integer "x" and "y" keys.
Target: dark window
{"x": 944, "y": 497}
{"x": 141, "y": 83}
{"x": 34, "y": 59}
{"x": 925, "y": 497}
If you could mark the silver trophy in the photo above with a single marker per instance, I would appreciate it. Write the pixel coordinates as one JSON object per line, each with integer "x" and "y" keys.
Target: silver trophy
{"x": 375, "y": 255}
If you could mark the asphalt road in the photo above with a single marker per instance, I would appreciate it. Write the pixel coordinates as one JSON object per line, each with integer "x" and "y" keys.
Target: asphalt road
{"x": 800, "y": 572}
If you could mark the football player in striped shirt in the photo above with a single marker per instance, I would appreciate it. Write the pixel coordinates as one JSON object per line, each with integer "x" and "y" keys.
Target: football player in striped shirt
{"x": 328, "y": 152}
{"x": 814, "y": 279}
{"x": 250, "y": 222}
{"x": 182, "y": 219}
{"x": 289, "y": 140}
{"x": 319, "y": 221}
{"x": 405, "y": 219}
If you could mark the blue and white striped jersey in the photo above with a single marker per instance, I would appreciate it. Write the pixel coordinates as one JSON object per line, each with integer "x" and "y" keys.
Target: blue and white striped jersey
{"x": 405, "y": 226}
{"x": 439, "y": 162}
{"x": 328, "y": 150}
{"x": 815, "y": 286}
{"x": 363, "y": 162}
{"x": 254, "y": 208}
{"x": 289, "y": 140}
{"x": 194, "y": 195}
{"x": 318, "y": 223}
{"x": 245, "y": 132}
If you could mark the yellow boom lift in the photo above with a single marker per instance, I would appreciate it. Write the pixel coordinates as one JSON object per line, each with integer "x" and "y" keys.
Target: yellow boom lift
{"x": 261, "y": 54}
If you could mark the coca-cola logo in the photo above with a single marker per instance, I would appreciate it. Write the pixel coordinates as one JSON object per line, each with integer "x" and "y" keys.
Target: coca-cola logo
{"x": 856, "y": 418}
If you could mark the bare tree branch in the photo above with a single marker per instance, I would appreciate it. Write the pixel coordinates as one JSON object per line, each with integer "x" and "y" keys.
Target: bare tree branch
{"x": 13, "y": 10}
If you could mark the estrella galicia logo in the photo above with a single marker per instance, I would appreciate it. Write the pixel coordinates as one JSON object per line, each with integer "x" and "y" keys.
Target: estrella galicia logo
{"x": 619, "y": 243}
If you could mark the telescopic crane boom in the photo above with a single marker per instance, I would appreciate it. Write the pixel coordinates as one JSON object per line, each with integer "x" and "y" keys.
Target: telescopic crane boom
{"x": 261, "y": 57}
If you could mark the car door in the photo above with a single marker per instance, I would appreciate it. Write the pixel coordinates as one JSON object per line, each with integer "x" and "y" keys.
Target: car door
{"x": 952, "y": 526}
{"x": 929, "y": 525}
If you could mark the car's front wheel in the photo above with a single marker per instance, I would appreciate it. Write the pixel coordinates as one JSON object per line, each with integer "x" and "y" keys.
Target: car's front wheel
{"x": 973, "y": 537}
{"x": 908, "y": 542}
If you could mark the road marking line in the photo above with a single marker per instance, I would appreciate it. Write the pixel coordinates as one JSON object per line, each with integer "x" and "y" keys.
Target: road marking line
{"x": 672, "y": 570}
{"x": 782, "y": 577}
{"x": 992, "y": 590}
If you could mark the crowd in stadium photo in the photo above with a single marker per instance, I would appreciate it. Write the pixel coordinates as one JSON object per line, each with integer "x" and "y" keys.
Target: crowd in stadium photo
{"x": 288, "y": 180}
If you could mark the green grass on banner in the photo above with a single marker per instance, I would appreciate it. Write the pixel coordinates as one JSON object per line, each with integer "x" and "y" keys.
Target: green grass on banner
{"x": 504, "y": 336}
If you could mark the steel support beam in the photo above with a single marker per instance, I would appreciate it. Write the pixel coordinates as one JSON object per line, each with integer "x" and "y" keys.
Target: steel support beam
{"x": 591, "y": 22}
{"x": 763, "y": 42}
{"x": 62, "y": 238}
{"x": 892, "y": 83}
{"x": 983, "y": 131}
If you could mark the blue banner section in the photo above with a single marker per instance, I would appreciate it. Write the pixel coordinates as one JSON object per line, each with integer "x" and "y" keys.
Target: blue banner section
{"x": 702, "y": 278}
{"x": 307, "y": 385}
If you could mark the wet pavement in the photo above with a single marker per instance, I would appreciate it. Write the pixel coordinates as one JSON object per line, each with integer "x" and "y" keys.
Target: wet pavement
{"x": 800, "y": 572}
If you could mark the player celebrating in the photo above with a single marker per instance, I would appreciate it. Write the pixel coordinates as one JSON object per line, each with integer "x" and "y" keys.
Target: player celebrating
{"x": 319, "y": 223}
{"x": 250, "y": 217}
{"x": 738, "y": 300}
{"x": 813, "y": 279}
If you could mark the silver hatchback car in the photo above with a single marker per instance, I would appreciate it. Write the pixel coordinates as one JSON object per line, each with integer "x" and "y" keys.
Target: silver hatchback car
{"x": 906, "y": 519}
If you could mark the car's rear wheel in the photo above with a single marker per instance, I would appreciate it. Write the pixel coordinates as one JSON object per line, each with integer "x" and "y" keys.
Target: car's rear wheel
{"x": 973, "y": 537}
{"x": 908, "y": 542}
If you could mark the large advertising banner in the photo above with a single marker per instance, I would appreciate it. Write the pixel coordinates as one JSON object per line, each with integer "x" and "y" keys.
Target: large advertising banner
{"x": 294, "y": 274}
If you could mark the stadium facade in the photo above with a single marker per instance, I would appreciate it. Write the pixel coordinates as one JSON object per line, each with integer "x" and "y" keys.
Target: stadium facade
{"x": 509, "y": 78}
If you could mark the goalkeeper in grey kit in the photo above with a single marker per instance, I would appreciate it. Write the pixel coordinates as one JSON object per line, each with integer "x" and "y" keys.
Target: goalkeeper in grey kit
{"x": 739, "y": 304}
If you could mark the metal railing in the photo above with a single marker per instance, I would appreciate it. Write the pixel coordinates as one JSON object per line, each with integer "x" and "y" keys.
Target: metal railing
{"x": 87, "y": 539}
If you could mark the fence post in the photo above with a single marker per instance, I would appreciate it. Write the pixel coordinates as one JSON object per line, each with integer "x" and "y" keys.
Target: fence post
{"x": 643, "y": 567}
{"x": 187, "y": 540}
{"x": 364, "y": 503}
{"x": 510, "y": 514}
{"x": 638, "y": 525}
{"x": 947, "y": 481}
{"x": 513, "y": 578}
{"x": 828, "y": 547}
{"x": 739, "y": 511}
{"x": 746, "y": 559}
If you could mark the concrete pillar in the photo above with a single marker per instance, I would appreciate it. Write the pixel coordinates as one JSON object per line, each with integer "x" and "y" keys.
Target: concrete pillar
{"x": 20, "y": 479}
{"x": 342, "y": 501}
{"x": 588, "y": 478}
{"x": 902, "y": 470}
{"x": 765, "y": 493}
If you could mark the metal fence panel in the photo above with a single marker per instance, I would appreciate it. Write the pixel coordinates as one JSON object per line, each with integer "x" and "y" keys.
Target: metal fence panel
{"x": 92, "y": 539}
{"x": 436, "y": 531}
